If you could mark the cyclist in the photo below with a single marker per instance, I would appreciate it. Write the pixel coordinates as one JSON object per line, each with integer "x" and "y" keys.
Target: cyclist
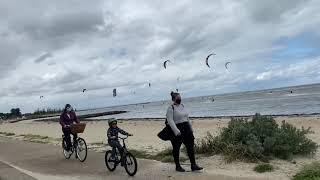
{"x": 112, "y": 135}
{"x": 67, "y": 118}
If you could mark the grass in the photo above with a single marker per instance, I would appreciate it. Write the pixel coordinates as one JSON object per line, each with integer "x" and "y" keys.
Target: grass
{"x": 7, "y": 133}
{"x": 262, "y": 168}
{"x": 163, "y": 156}
{"x": 39, "y": 139}
{"x": 259, "y": 139}
{"x": 309, "y": 172}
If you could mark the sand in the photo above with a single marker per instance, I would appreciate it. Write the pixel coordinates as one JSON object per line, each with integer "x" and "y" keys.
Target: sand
{"x": 145, "y": 138}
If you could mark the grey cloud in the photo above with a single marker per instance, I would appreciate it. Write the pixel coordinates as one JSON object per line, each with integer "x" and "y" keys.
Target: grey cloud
{"x": 272, "y": 10}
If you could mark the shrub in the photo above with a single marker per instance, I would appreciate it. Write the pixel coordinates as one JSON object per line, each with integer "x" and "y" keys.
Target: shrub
{"x": 262, "y": 168}
{"x": 259, "y": 139}
{"x": 309, "y": 172}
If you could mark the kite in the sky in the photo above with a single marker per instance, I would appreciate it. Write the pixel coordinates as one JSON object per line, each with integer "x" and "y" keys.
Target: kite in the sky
{"x": 83, "y": 90}
{"x": 207, "y": 59}
{"x": 114, "y": 92}
{"x": 226, "y": 65}
{"x": 165, "y": 63}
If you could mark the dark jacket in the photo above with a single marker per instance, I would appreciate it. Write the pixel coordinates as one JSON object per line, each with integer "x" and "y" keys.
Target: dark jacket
{"x": 112, "y": 133}
{"x": 66, "y": 120}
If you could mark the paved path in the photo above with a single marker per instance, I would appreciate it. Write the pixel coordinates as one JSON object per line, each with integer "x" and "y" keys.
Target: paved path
{"x": 29, "y": 161}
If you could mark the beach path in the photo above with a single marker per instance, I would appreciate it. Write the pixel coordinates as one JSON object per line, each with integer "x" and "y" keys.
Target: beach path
{"x": 25, "y": 160}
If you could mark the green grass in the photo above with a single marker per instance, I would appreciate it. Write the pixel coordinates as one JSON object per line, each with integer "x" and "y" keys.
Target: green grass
{"x": 262, "y": 168}
{"x": 7, "y": 133}
{"x": 309, "y": 172}
{"x": 163, "y": 156}
{"x": 259, "y": 139}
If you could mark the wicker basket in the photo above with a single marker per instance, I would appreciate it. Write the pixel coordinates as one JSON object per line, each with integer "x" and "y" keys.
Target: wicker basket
{"x": 78, "y": 128}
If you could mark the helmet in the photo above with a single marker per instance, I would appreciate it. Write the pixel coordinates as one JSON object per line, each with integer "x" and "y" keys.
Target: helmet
{"x": 112, "y": 120}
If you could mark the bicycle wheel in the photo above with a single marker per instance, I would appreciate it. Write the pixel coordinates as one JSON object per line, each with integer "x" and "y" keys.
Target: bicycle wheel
{"x": 67, "y": 154}
{"x": 81, "y": 149}
{"x": 110, "y": 163}
{"x": 130, "y": 164}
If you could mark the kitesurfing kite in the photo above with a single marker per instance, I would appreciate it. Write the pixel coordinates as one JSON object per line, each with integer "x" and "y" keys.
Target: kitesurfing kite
{"x": 207, "y": 59}
{"x": 114, "y": 92}
{"x": 165, "y": 63}
{"x": 41, "y": 97}
{"x": 83, "y": 90}
{"x": 149, "y": 84}
{"x": 226, "y": 65}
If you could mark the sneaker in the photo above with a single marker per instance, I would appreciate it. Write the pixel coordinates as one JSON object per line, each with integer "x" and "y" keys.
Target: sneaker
{"x": 196, "y": 168}
{"x": 180, "y": 169}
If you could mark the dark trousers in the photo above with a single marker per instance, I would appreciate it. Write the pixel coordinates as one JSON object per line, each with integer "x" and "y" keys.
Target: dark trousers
{"x": 116, "y": 144}
{"x": 67, "y": 133}
{"x": 187, "y": 139}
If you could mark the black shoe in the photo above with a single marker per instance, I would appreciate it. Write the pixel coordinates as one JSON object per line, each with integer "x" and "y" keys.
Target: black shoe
{"x": 180, "y": 169}
{"x": 196, "y": 168}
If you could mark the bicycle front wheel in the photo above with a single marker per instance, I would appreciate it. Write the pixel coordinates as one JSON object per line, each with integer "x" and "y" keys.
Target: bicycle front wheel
{"x": 130, "y": 164}
{"x": 67, "y": 154}
{"x": 81, "y": 149}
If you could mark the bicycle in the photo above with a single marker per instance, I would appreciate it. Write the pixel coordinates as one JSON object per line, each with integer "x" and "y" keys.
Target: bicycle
{"x": 127, "y": 160}
{"x": 79, "y": 147}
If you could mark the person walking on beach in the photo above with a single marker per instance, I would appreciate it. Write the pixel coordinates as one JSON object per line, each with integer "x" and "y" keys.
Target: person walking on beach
{"x": 67, "y": 118}
{"x": 178, "y": 120}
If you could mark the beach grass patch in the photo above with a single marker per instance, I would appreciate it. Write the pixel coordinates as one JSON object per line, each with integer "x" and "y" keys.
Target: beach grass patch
{"x": 309, "y": 172}
{"x": 258, "y": 140}
{"x": 7, "y": 133}
{"x": 163, "y": 156}
{"x": 262, "y": 168}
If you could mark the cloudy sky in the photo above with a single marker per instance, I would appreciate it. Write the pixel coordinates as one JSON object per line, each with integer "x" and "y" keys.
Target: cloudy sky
{"x": 56, "y": 48}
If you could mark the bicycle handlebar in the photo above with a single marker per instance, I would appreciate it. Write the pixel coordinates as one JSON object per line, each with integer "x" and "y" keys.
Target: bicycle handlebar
{"x": 123, "y": 138}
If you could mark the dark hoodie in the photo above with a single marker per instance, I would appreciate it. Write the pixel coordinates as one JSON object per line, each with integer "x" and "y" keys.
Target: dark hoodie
{"x": 66, "y": 120}
{"x": 112, "y": 133}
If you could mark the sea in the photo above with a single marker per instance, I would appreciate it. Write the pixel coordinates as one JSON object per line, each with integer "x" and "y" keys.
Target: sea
{"x": 303, "y": 99}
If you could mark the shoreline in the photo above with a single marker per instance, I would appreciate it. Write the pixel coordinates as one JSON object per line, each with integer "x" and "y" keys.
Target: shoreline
{"x": 94, "y": 117}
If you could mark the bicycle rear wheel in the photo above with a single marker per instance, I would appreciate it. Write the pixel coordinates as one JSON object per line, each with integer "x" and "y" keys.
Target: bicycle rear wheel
{"x": 130, "y": 164}
{"x": 67, "y": 154}
{"x": 81, "y": 149}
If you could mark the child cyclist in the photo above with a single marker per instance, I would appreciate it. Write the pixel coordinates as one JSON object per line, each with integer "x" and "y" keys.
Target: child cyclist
{"x": 112, "y": 134}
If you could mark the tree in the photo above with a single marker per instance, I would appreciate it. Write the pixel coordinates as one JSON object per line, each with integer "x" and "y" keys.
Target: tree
{"x": 15, "y": 112}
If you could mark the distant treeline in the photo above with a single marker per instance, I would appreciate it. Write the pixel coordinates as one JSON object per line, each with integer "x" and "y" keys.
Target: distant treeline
{"x": 48, "y": 111}
{"x": 14, "y": 113}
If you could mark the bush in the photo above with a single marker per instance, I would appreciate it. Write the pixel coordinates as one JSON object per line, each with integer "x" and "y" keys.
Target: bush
{"x": 258, "y": 140}
{"x": 262, "y": 168}
{"x": 309, "y": 172}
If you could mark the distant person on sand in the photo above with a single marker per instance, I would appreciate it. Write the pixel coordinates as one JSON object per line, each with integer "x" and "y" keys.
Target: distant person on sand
{"x": 67, "y": 118}
{"x": 178, "y": 120}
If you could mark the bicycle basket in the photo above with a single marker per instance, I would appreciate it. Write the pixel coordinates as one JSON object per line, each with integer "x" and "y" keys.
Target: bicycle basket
{"x": 78, "y": 128}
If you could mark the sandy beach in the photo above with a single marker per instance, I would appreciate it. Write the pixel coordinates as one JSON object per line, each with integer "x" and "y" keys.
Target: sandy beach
{"x": 145, "y": 139}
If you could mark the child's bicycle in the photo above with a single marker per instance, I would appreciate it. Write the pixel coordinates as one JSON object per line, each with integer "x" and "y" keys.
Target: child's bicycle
{"x": 128, "y": 160}
{"x": 79, "y": 147}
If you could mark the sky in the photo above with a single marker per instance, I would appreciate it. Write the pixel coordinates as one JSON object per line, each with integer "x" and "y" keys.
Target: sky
{"x": 55, "y": 49}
